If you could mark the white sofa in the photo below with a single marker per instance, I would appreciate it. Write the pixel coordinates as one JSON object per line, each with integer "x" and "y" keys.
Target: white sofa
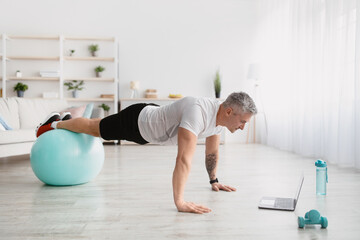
{"x": 23, "y": 115}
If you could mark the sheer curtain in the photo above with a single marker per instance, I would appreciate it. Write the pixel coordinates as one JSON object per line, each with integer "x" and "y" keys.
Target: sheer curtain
{"x": 309, "y": 54}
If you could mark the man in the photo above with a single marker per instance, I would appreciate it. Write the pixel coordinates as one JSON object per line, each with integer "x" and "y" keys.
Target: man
{"x": 181, "y": 123}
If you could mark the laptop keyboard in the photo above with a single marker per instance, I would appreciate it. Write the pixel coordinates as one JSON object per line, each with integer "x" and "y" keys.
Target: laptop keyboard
{"x": 284, "y": 202}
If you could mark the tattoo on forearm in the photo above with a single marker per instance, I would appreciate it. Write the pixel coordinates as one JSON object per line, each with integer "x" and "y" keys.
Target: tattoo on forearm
{"x": 210, "y": 163}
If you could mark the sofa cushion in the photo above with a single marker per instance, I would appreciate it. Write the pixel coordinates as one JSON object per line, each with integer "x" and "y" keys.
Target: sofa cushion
{"x": 17, "y": 136}
{"x": 10, "y": 112}
{"x": 34, "y": 111}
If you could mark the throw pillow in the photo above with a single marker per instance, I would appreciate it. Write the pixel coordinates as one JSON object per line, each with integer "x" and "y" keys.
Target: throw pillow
{"x": 4, "y": 124}
{"x": 88, "y": 110}
{"x": 76, "y": 112}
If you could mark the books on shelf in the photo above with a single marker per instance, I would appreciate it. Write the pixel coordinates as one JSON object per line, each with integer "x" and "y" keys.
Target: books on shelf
{"x": 49, "y": 73}
{"x": 107, "y": 95}
{"x": 151, "y": 93}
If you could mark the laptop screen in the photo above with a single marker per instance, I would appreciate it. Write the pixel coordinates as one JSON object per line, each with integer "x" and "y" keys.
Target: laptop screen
{"x": 299, "y": 188}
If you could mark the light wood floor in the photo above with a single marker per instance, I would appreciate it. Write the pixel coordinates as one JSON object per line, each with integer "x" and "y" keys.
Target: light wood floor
{"x": 132, "y": 198}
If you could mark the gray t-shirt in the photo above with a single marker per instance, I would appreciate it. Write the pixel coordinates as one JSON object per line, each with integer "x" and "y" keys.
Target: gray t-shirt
{"x": 198, "y": 115}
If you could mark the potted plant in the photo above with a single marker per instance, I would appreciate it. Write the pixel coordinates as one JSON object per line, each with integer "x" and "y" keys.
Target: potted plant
{"x": 93, "y": 49}
{"x": 72, "y": 51}
{"x": 99, "y": 70}
{"x": 18, "y": 74}
{"x": 106, "y": 108}
{"x": 217, "y": 84}
{"x": 75, "y": 86}
{"x": 20, "y": 88}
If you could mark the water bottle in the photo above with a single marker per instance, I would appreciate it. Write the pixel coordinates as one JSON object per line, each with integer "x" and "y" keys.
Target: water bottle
{"x": 321, "y": 177}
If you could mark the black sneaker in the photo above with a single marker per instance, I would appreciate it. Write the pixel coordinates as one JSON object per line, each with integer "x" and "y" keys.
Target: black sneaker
{"x": 65, "y": 116}
{"x": 54, "y": 116}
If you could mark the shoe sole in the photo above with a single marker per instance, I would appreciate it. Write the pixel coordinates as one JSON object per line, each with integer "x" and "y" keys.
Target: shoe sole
{"x": 52, "y": 117}
{"x": 65, "y": 116}
{"x": 49, "y": 119}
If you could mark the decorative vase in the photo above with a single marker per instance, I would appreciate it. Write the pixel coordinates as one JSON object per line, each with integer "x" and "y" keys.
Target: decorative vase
{"x": 98, "y": 74}
{"x": 18, "y": 74}
{"x": 134, "y": 86}
{"x": 75, "y": 94}
{"x": 94, "y": 54}
{"x": 20, "y": 93}
{"x": 217, "y": 94}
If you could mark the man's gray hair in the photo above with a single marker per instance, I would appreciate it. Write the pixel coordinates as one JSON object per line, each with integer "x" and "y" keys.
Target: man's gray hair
{"x": 240, "y": 101}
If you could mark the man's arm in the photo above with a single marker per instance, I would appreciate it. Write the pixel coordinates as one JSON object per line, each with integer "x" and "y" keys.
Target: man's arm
{"x": 211, "y": 161}
{"x": 212, "y": 155}
{"x": 186, "y": 148}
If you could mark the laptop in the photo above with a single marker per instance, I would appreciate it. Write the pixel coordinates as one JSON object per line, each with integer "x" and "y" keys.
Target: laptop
{"x": 287, "y": 204}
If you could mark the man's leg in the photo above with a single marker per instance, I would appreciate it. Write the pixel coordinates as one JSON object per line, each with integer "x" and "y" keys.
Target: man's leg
{"x": 81, "y": 125}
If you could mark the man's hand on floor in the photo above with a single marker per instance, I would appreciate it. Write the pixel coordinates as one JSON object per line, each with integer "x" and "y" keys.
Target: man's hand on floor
{"x": 217, "y": 186}
{"x": 191, "y": 207}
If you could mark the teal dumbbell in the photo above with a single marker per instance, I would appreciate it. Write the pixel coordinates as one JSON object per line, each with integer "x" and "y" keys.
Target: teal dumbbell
{"x": 312, "y": 217}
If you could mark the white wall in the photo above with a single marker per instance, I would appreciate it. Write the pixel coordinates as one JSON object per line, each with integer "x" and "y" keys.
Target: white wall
{"x": 172, "y": 46}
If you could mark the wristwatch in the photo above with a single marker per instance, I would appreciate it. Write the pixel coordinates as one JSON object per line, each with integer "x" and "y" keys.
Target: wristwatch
{"x": 214, "y": 181}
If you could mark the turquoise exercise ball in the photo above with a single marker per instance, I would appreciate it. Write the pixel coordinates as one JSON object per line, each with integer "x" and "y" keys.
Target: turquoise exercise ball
{"x": 61, "y": 157}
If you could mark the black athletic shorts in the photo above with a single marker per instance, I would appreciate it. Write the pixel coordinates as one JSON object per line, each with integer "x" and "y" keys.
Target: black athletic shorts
{"x": 124, "y": 125}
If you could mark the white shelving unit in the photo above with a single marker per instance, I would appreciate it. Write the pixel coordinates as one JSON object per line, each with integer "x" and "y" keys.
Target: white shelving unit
{"x": 59, "y": 58}
{"x": 90, "y": 99}
{"x": 113, "y": 60}
{"x": 34, "y": 78}
{"x": 89, "y": 59}
{"x": 3, "y": 64}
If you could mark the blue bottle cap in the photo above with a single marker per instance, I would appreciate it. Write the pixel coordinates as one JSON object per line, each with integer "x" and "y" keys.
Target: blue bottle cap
{"x": 320, "y": 163}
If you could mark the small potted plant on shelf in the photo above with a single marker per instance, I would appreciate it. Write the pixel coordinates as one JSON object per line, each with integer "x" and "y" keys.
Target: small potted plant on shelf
{"x": 217, "y": 84}
{"x": 18, "y": 74}
{"x": 106, "y": 108}
{"x": 72, "y": 51}
{"x": 93, "y": 49}
{"x": 20, "y": 88}
{"x": 75, "y": 86}
{"x": 99, "y": 70}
